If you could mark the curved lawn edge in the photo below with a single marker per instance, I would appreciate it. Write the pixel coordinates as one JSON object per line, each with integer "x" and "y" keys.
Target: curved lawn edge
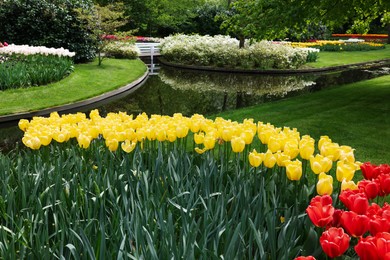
{"x": 78, "y": 105}
{"x": 374, "y": 63}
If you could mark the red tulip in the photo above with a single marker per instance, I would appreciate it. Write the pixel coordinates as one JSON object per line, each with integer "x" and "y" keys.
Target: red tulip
{"x": 320, "y": 210}
{"x": 370, "y": 188}
{"x": 305, "y": 258}
{"x": 336, "y": 222}
{"x": 370, "y": 171}
{"x": 384, "y": 183}
{"x": 334, "y": 242}
{"x": 366, "y": 248}
{"x": 355, "y": 200}
{"x": 5, "y": 44}
{"x": 355, "y": 225}
{"x": 378, "y": 224}
{"x": 372, "y": 248}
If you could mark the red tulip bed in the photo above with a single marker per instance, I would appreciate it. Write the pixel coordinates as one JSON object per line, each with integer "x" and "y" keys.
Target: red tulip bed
{"x": 362, "y": 225}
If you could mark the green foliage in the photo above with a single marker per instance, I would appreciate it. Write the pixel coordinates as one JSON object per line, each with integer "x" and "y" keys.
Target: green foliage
{"x": 104, "y": 20}
{"x": 33, "y": 70}
{"x": 47, "y": 23}
{"x": 158, "y": 202}
{"x": 121, "y": 50}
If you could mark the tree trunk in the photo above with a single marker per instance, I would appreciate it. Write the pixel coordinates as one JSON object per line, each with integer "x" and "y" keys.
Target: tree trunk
{"x": 388, "y": 34}
{"x": 242, "y": 41}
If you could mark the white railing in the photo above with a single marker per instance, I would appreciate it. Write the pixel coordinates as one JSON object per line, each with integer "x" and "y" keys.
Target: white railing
{"x": 150, "y": 50}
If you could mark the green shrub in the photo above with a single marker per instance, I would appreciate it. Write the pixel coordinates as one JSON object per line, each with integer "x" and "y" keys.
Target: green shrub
{"x": 47, "y": 23}
{"x": 121, "y": 50}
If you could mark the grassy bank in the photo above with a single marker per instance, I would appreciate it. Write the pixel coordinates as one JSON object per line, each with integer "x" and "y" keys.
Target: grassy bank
{"x": 88, "y": 80}
{"x": 356, "y": 114}
{"x": 329, "y": 59}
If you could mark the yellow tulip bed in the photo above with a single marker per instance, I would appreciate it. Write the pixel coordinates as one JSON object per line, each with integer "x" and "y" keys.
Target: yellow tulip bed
{"x": 284, "y": 145}
{"x": 163, "y": 187}
{"x": 332, "y": 45}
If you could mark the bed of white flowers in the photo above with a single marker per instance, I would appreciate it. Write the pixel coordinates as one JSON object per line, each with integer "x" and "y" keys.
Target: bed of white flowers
{"x": 224, "y": 51}
{"x": 12, "y": 49}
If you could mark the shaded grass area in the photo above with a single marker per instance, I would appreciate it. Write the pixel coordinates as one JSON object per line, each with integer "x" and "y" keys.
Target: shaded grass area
{"x": 329, "y": 59}
{"x": 355, "y": 114}
{"x": 88, "y": 80}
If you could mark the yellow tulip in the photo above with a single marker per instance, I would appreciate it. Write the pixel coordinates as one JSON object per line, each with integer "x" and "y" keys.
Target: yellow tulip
{"x": 281, "y": 158}
{"x": 23, "y": 124}
{"x": 323, "y": 139}
{"x": 306, "y": 147}
{"x": 347, "y": 153}
{"x": 247, "y": 135}
{"x": 171, "y": 135}
{"x": 345, "y": 171}
{"x": 325, "y": 184}
{"x": 112, "y": 144}
{"x": 181, "y": 131}
{"x": 238, "y": 144}
{"x": 320, "y": 163}
{"x": 199, "y": 138}
{"x": 128, "y": 146}
{"x": 209, "y": 142}
{"x": 254, "y": 158}
{"x": 45, "y": 138}
{"x": 275, "y": 143}
{"x": 331, "y": 150}
{"x": 84, "y": 141}
{"x": 269, "y": 159}
{"x": 264, "y": 133}
{"x": 161, "y": 134}
{"x": 351, "y": 185}
{"x": 200, "y": 151}
{"x": 294, "y": 170}
{"x": 31, "y": 142}
{"x": 291, "y": 149}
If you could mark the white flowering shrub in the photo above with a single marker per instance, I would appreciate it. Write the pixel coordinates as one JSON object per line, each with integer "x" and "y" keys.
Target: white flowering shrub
{"x": 121, "y": 50}
{"x": 224, "y": 51}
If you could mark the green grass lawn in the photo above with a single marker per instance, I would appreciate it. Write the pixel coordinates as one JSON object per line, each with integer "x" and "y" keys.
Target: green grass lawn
{"x": 88, "y": 80}
{"x": 356, "y": 114}
{"x": 329, "y": 59}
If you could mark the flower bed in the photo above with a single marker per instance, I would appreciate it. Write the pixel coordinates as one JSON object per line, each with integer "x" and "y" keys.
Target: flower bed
{"x": 168, "y": 187}
{"x": 24, "y": 66}
{"x": 368, "y": 37}
{"x": 341, "y": 45}
{"x": 121, "y": 50}
{"x": 223, "y": 51}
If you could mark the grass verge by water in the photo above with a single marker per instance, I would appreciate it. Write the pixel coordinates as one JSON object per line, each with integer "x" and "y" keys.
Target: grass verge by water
{"x": 88, "y": 80}
{"x": 329, "y": 59}
{"x": 355, "y": 114}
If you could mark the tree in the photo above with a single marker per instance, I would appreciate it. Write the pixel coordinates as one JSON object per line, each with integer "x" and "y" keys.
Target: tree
{"x": 274, "y": 18}
{"x": 104, "y": 20}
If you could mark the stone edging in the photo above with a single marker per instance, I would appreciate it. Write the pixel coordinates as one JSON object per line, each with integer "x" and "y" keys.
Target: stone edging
{"x": 84, "y": 104}
{"x": 275, "y": 71}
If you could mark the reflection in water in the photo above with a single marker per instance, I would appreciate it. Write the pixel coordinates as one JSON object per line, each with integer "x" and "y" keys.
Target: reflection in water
{"x": 189, "y": 92}
{"x": 201, "y": 92}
